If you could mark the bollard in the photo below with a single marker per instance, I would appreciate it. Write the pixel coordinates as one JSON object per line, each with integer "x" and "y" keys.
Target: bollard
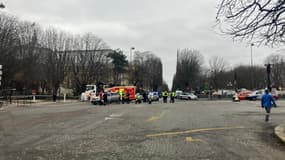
{"x": 34, "y": 98}
{"x": 64, "y": 97}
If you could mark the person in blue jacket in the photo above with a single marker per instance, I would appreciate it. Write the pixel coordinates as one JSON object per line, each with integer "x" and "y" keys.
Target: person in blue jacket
{"x": 267, "y": 101}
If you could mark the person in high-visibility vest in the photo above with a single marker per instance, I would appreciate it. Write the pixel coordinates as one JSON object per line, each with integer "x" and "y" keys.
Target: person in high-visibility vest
{"x": 121, "y": 95}
{"x": 166, "y": 92}
{"x": 172, "y": 96}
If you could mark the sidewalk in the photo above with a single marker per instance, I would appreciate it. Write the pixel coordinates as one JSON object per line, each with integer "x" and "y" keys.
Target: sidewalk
{"x": 38, "y": 102}
{"x": 280, "y": 132}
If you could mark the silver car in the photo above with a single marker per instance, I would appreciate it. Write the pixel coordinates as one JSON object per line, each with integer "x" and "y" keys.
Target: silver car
{"x": 113, "y": 97}
{"x": 153, "y": 96}
{"x": 188, "y": 96}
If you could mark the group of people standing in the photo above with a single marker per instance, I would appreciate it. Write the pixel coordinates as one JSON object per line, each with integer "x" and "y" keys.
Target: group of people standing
{"x": 125, "y": 97}
{"x": 267, "y": 101}
{"x": 165, "y": 95}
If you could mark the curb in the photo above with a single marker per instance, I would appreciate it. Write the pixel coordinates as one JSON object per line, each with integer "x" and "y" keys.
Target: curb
{"x": 42, "y": 103}
{"x": 280, "y": 132}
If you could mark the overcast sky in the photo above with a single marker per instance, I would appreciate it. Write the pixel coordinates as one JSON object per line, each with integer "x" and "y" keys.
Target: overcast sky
{"x": 160, "y": 26}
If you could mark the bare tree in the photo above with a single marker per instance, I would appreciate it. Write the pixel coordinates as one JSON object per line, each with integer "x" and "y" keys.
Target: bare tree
{"x": 28, "y": 52}
{"x": 89, "y": 61}
{"x": 8, "y": 48}
{"x": 137, "y": 70}
{"x": 241, "y": 74}
{"x": 188, "y": 69}
{"x": 146, "y": 71}
{"x": 32, "y": 57}
{"x": 56, "y": 60}
{"x": 259, "y": 20}
{"x": 154, "y": 68}
{"x": 217, "y": 68}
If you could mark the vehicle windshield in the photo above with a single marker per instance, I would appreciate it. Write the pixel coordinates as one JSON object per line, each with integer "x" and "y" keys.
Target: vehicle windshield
{"x": 88, "y": 88}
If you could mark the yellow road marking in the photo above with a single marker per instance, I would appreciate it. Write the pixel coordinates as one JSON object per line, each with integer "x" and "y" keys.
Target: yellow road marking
{"x": 153, "y": 118}
{"x": 192, "y": 131}
{"x": 190, "y": 139}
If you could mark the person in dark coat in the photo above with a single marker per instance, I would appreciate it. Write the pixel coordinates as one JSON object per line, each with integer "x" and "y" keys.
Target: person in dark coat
{"x": 144, "y": 97}
{"x": 105, "y": 98}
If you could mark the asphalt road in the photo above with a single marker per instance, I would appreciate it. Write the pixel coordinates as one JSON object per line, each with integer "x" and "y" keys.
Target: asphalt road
{"x": 203, "y": 130}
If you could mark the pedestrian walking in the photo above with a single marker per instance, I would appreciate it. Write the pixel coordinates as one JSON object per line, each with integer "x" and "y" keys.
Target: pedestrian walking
{"x": 267, "y": 101}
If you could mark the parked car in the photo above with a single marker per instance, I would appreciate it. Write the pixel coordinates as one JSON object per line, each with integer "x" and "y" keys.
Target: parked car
{"x": 243, "y": 95}
{"x": 113, "y": 97}
{"x": 235, "y": 98}
{"x": 188, "y": 96}
{"x": 178, "y": 93}
{"x": 153, "y": 96}
{"x": 95, "y": 99}
{"x": 257, "y": 95}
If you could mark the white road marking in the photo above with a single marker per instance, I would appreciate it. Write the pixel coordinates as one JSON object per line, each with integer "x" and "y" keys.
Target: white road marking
{"x": 116, "y": 115}
{"x": 113, "y": 116}
{"x": 110, "y": 118}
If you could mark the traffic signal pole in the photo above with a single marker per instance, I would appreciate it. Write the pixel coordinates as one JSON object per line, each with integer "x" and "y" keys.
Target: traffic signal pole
{"x": 0, "y": 75}
{"x": 268, "y": 70}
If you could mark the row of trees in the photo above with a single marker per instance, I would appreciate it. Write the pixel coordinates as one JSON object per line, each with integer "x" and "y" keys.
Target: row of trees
{"x": 258, "y": 21}
{"x": 191, "y": 75}
{"x": 33, "y": 57}
{"x": 146, "y": 71}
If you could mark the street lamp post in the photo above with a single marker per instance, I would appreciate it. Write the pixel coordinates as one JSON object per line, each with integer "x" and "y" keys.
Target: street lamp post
{"x": 130, "y": 63}
{"x": 268, "y": 70}
{"x": 251, "y": 64}
{"x": 251, "y": 61}
{"x": 132, "y": 48}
